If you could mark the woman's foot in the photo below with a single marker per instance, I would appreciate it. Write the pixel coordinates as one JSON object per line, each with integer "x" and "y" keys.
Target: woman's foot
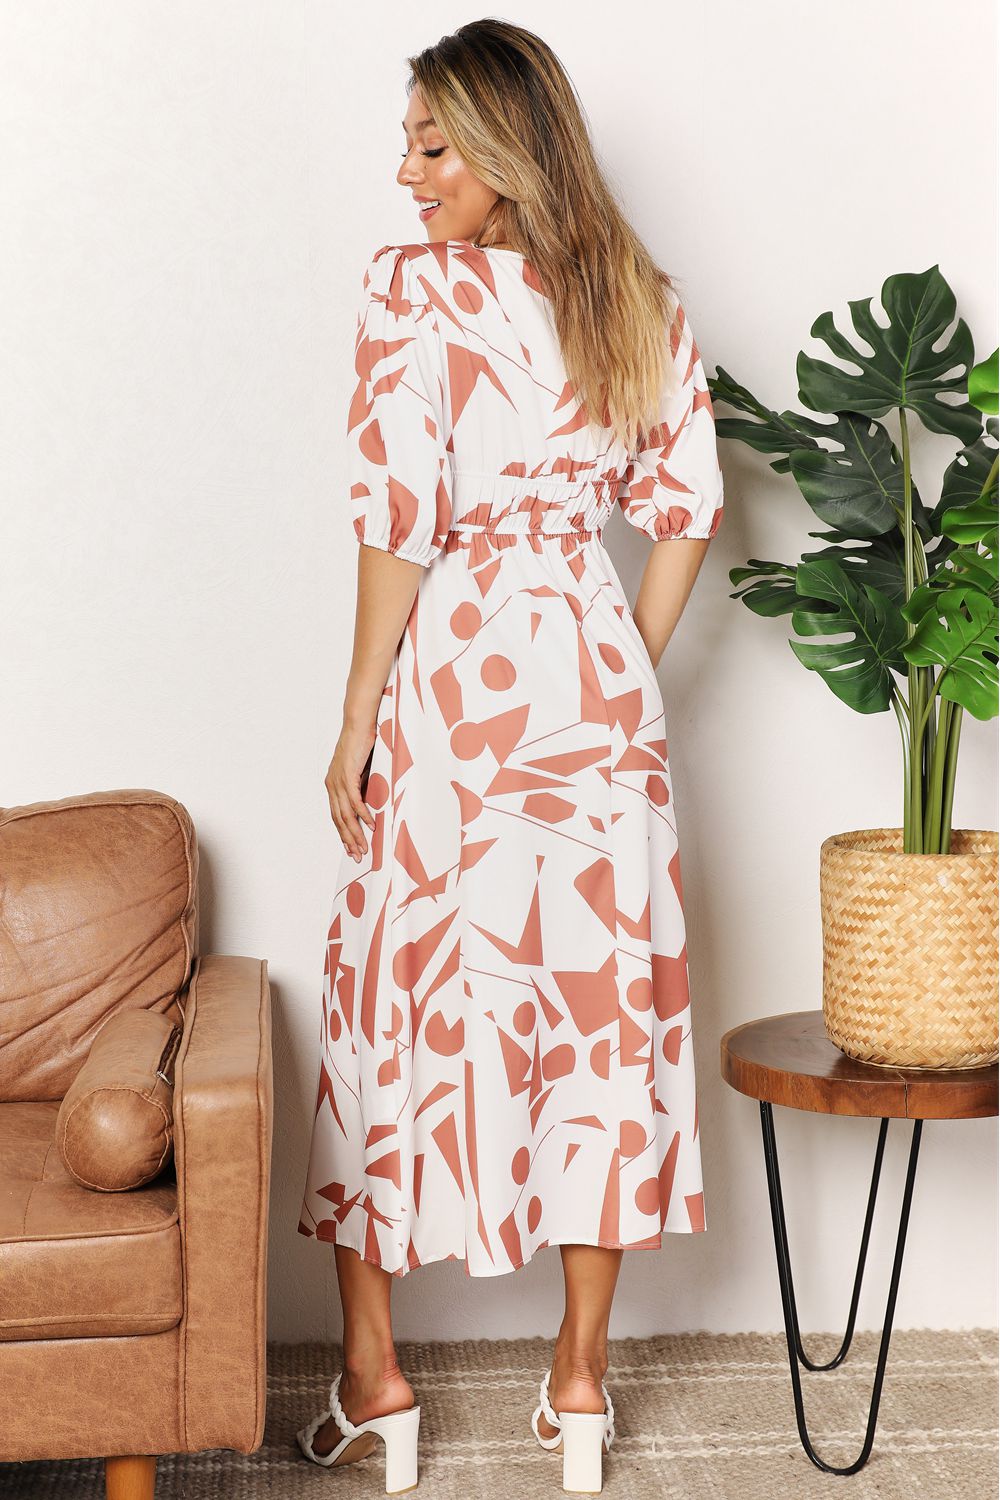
{"x": 363, "y": 1395}
{"x": 574, "y": 1385}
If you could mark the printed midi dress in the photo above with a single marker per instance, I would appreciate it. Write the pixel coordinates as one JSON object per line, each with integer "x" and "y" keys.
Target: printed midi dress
{"x": 506, "y": 1057}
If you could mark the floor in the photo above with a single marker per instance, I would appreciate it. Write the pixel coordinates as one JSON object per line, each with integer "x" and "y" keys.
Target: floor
{"x": 698, "y": 1417}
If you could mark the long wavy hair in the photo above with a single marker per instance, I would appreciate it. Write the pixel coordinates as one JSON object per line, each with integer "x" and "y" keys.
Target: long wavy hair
{"x": 507, "y": 105}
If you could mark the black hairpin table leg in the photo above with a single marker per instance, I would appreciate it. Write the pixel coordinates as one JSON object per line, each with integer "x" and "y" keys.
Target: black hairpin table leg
{"x": 796, "y": 1353}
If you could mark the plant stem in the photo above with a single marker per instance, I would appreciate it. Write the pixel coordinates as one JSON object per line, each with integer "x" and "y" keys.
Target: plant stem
{"x": 902, "y": 718}
{"x": 913, "y": 788}
{"x": 932, "y": 814}
{"x": 931, "y": 731}
{"x": 927, "y": 708}
{"x": 948, "y": 792}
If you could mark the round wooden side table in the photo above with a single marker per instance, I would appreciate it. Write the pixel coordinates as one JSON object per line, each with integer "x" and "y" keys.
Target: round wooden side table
{"x": 789, "y": 1059}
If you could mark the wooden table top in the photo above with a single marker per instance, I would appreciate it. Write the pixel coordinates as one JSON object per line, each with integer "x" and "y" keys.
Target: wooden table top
{"x": 789, "y": 1059}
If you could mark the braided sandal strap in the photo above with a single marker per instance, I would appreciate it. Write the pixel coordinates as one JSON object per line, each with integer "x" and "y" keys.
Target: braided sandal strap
{"x": 545, "y": 1407}
{"x": 337, "y": 1412}
{"x": 609, "y": 1416}
{"x": 545, "y": 1403}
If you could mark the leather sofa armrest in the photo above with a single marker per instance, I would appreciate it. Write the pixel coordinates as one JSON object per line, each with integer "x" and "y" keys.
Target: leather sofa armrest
{"x": 223, "y": 1113}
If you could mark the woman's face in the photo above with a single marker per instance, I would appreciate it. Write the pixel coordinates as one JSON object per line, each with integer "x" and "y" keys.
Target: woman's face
{"x": 435, "y": 174}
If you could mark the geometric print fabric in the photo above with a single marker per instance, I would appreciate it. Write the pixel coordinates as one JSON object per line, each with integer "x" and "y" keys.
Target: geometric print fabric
{"x": 505, "y": 1055}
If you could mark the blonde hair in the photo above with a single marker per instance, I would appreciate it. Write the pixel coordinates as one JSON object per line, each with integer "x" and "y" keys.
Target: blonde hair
{"x": 505, "y": 102}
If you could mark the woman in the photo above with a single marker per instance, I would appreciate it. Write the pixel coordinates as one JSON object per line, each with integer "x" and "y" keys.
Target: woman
{"x": 506, "y": 1050}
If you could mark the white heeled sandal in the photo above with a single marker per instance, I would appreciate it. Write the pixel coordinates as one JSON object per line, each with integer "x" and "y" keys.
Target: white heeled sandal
{"x": 398, "y": 1430}
{"x": 583, "y": 1437}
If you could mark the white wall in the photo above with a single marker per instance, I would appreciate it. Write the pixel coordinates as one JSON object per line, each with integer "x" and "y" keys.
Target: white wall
{"x": 189, "y": 194}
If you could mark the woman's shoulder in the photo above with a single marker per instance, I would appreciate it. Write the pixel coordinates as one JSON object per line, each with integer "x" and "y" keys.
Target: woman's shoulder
{"x": 455, "y": 277}
{"x": 419, "y": 250}
{"x": 402, "y": 268}
{"x": 420, "y": 254}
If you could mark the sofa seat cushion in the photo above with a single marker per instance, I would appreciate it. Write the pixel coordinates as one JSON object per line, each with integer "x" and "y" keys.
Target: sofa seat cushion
{"x": 78, "y": 1264}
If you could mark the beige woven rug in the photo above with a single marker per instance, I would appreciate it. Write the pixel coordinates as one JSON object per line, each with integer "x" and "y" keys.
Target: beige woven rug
{"x": 698, "y": 1417}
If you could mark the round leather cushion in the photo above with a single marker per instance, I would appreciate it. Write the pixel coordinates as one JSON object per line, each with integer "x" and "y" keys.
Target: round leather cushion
{"x": 114, "y": 1129}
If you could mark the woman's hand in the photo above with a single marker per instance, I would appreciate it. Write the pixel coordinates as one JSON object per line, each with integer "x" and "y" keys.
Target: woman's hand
{"x": 387, "y": 587}
{"x": 343, "y": 785}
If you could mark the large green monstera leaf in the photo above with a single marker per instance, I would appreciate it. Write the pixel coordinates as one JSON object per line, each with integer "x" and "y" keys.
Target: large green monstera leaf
{"x": 855, "y": 484}
{"x": 968, "y": 520}
{"x": 966, "y": 477}
{"x": 903, "y": 369}
{"x": 858, "y": 671}
{"x": 857, "y": 487}
{"x": 772, "y": 432}
{"x": 958, "y": 635}
{"x": 967, "y": 566}
{"x": 771, "y": 587}
{"x": 984, "y": 386}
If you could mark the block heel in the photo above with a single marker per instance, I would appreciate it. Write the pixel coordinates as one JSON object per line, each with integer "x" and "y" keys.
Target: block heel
{"x": 399, "y": 1432}
{"x": 583, "y": 1438}
{"x": 583, "y": 1451}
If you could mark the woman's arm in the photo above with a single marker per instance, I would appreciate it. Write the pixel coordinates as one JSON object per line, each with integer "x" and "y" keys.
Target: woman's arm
{"x": 667, "y": 582}
{"x": 387, "y": 586}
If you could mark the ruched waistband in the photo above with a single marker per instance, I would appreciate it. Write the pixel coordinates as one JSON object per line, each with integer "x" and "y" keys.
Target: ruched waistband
{"x": 500, "y": 528}
{"x": 480, "y": 543}
{"x": 517, "y": 505}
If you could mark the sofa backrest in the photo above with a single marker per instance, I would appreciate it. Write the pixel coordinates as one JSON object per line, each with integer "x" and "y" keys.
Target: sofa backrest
{"x": 98, "y": 913}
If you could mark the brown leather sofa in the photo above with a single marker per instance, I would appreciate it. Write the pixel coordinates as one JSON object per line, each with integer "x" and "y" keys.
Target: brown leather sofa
{"x": 132, "y": 1323}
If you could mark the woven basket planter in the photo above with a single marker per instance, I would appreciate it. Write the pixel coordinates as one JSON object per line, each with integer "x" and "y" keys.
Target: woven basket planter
{"x": 910, "y": 949}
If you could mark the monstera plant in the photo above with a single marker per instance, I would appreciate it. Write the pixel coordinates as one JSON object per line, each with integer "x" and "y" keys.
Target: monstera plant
{"x": 897, "y": 610}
